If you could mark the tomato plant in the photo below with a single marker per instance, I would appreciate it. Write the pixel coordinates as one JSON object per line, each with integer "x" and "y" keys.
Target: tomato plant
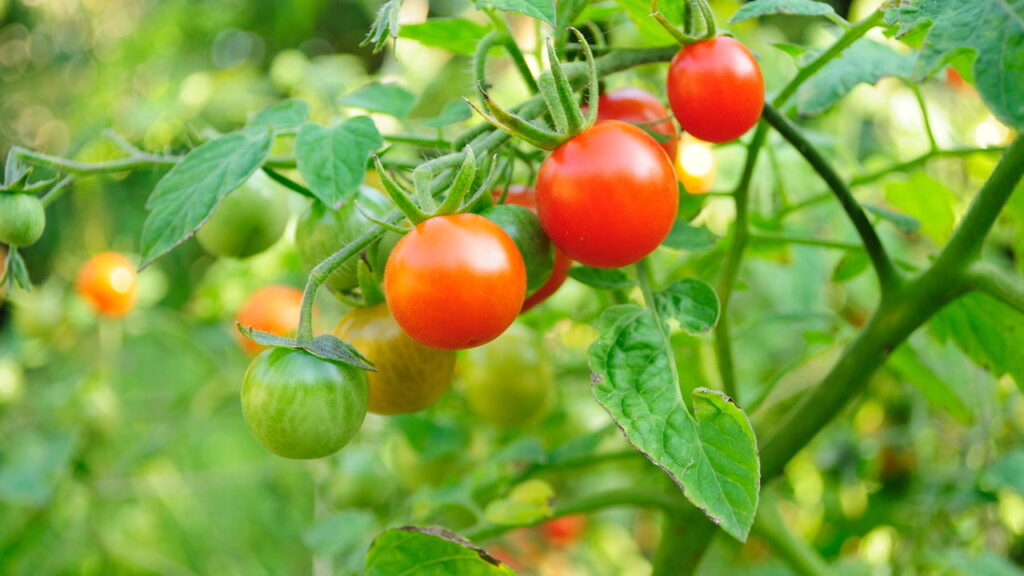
{"x": 273, "y": 309}
{"x": 508, "y": 381}
{"x": 639, "y": 107}
{"x": 22, "y": 219}
{"x": 523, "y": 227}
{"x": 250, "y": 220}
{"x": 107, "y": 281}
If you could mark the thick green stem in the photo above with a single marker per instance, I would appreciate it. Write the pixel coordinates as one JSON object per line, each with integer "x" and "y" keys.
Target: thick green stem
{"x": 988, "y": 279}
{"x": 140, "y": 162}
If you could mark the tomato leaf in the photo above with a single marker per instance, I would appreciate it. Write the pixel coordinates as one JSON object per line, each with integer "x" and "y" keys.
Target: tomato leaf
{"x": 189, "y": 193}
{"x": 759, "y": 8}
{"x": 453, "y": 34}
{"x": 601, "y": 278}
{"x": 325, "y": 347}
{"x": 866, "y": 61}
{"x": 284, "y": 114}
{"x": 690, "y": 205}
{"x": 454, "y": 111}
{"x": 851, "y": 265}
{"x": 391, "y": 99}
{"x": 692, "y": 302}
{"x": 711, "y": 454}
{"x": 987, "y": 331}
{"x": 928, "y": 201}
{"x": 686, "y": 237}
{"x": 905, "y": 224}
{"x": 386, "y": 24}
{"x": 429, "y": 551}
{"x": 543, "y": 10}
{"x": 333, "y": 160}
{"x": 990, "y": 30}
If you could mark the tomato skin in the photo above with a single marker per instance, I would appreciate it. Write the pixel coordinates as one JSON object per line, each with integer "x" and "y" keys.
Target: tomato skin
{"x": 608, "y": 196}
{"x": 455, "y": 282}
{"x": 299, "y": 406}
{"x": 322, "y": 231}
{"x": 508, "y": 382}
{"x": 637, "y": 106}
{"x": 410, "y": 376}
{"x": 273, "y": 309}
{"x": 715, "y": 89}
{"x": 564, "y": 530}
{"x": 248, "y": 221}
{"x": 108, "y": 282}
{"x": 524, "y": 228}
{"x": 22, "y": 219}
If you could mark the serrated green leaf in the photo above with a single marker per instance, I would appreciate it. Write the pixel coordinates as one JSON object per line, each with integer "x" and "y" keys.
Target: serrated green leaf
{"x": 760, "y": 8}
{"x": 991, "y": 29}
{"x": 384, "y": 25}
{"x": 431, "y": 551}
{"x": 325, "y": 346}
{"x": 851, "y": 265}
{"x": 391, "y": 99}
{"x": 866, "y": 61}
{"x": 543, "y": 10}
{"x": 902, "y": 222}
{"x": 692, "y": 302}
{"x": 601, "y": 278}
{"x": 332, "y": 161}
{"x": 454, "y": 111}
{"x": 987, "y": 331}
{"x": 711, "y": 454}
{"x": 284, "y": 114}
{"x": 189, "y": 193}
{"x": 453, "y": 34}
{"x": 927, "y": 200}
{"x": 939, "y": 392}
{"x": 686, "y": 237}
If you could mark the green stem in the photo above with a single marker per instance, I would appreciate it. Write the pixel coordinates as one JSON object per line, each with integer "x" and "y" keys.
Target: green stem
{"x": 509, "y": 42}
{"x": 685, "y": 538}
{"x": 806, "y": 241}
{"x": 643, "y": 273}
{"x": 918, "y": 162}
{"x": 933, "y": 145}
{"x": 417, "y": 140}
{"x": 288, "y": 182}
{"x": 801, "y": 557}
{"x": 58, "y": 164}
{"x": 988, "y": 279}
{"x": 57, "y": 191}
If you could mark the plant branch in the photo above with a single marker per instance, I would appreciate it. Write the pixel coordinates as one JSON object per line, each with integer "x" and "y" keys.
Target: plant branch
{"x": 988, "y": 279}
{"x": 56, "y": 163}
{"x": 918, "y": 162}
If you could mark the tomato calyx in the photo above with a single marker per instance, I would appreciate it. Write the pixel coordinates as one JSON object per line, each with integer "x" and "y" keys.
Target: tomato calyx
{"x": 697, "y": 16}
{"x": 325, "y": 347}
{"x": 568, "y": 117}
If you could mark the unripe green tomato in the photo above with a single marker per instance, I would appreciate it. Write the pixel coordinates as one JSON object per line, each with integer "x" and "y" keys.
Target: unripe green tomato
{"x": 22, "y": 219}
{"x": 300, "y": 406}
{"x": 508, "y": 381}
{"x": 524, "y": 228}
{"x": 248, "y": 221}
{"x": 322, "y": 231}
{"x": 379, "y": 252}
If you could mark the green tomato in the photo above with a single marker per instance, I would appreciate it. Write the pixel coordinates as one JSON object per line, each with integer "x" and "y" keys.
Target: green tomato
{"x": 378, "y": 254}
{"x": 248, "y": 221}
{"x": 524, "y": 228}
{"x": 22, "y": 219}
{"x": 508, "y": 381}
{"x": 322, "y": 231}
{"x": 299, "y": 406}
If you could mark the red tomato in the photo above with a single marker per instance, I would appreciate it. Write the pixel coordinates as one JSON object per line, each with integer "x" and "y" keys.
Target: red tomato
{"x": 715, "y": 89}
{"x": 523, "y": 196}
{"x": 108, "y": 282}
{"x": 455, "y": 282}
{"x": 608, "y": 196}
{"x": 565, "y": 530}
{"x": 637, "y": 106}
{"x": 273, "y": 309}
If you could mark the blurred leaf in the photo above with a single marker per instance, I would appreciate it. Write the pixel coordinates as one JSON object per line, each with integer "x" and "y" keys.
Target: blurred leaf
{"x": 325, "y": 347}
{"x": 938, "y": 391}
{"x": 1005, "y": 472}
{"x": 432, "y": 437}
{"x": 794, "y": 50}
{"x": 390, "y": 98}
{"x": 690, "y": 205}
{"x": 639, "y": 12}
{"x": 686, "y": 237}
{"x": 453, "y": 34}
{"x": 905, "y": 224}
{"x": 927, "y": 200}
{"x": 15, "y": 273}
{"x": 526, "y": 503}
{"x": 431, "y": 551}
{"x": 993, "y": 30}
{"x": 15, "y": 169}
{"x": 579, "y": 446}
{"x": 711, "y": 454}
{"x": 601, "y": 278}
{"x": 284, "y": 114}
{"x": 759, "y": 8}
{"x": 692, "y": 302}
{"x": 987, "y": 331}
{"x": 344, "y": 534}
{"x": 386, "y": 24}
{"x": 567, "y": 11}
{"x": 958, "y": 562}
{"x": 333, "y": 160}
{"x": 543, "y": 10}
{"x": 454, "y": 111}
{"x": 851, "y": 265}
{"x": 31, "y": 467}
{"x": 189, "y": 193}
{"x": 866, "y": 61}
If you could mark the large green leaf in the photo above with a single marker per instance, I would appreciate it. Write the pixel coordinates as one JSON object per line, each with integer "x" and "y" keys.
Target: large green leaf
{"x": 453, "y": 34}
{"x": 711, "y": 454}
{"x": 429, "y": 552}
{"x": 543, "y": 10}
{"x": 987, "y": 331}
{"x": 333, "y": 160}
{"x": 760, "y": 8}
{"x": 189, "y": 193}
{"x": 992, "y": 30}
{"x": 866, "y": 61}
{"x": 390, "y": 98}
{"x": 692, "y": 302}
{"x": 927, "y": 200}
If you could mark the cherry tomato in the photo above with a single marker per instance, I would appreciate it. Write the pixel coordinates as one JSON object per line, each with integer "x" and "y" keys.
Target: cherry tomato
{"x": 564, "y": 530}
{"x": 248, "y": 221}
{"x": 455, "y": 281}
{"x": 322, "y": 231}
{"x": 524, "y": 228}
{"x": 638, "y": 106}
{"x": 410, "y": 376}
{"x": 107, "y": 281}
{"x": 608, "y": 196}
{"x": 508, "y": 382}
{"x": 22, "y": 219}
{"x": 300, "y": 406}
{"x": 715, "y": 89}
{"x": 695, "y": 165}
{"x": 273, "y": 309}
{"x": 518, "y": 195}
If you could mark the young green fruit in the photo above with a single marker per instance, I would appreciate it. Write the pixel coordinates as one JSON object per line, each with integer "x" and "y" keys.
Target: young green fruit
{"x": 524, "y": 228}
{"x": 248, "y": 221}
{"x": 22, "y": 219}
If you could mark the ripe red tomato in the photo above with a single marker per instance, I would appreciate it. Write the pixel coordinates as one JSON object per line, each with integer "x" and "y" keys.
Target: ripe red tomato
{"x": 638, "y": 106}
{"x": 608, "y": 196}
{"x": 273, "y": 309}
{"x": 455, "y": 281}
{"x": 107, "y": 281}
{"x": 715, "y": 89}
{"x": 564, "y": 530}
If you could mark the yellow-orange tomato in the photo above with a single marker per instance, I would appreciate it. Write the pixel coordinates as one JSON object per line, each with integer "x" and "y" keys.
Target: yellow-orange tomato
{"x": 273, "y": 309}
{"x": 108, "y": 282}
{"x": 695, "y": 165}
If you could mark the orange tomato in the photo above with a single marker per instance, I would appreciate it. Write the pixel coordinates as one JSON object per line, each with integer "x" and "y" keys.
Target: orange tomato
{"x": 273, "y": 309}
{"x": 695, "y": 165}
{"x": 108, "y": 282}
